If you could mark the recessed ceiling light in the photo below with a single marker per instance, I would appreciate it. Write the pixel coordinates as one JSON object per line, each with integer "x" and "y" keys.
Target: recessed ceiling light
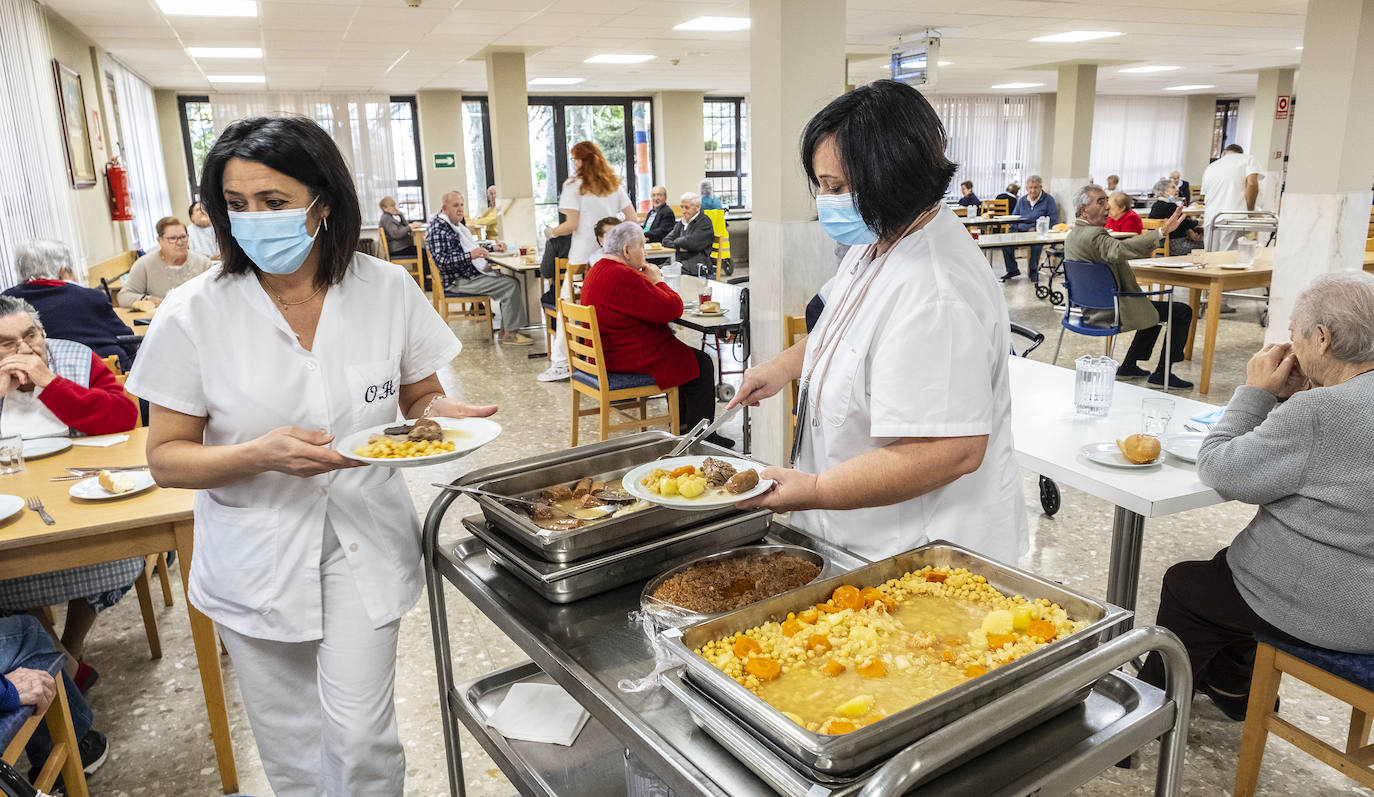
{"x": 618, "y": 58}
{"x": 945, "y": 63}
{"x": 200, "y": 8}
{"x": 1077, "y": 36}
{"x": 555, "y": 81}
{"x": 1190, "y": 87}
{"x": 225, "y": 52}
{"x": 1017, "y": 85}
{"x": 714, "y": 24}
{"x": 1145, "y": 70}
{"x": 1299, "y": 47}
{"x": 236, "y": 78}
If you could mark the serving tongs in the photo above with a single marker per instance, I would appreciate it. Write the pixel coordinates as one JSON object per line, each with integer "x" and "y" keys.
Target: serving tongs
{"x": 700, "y": 432}
{"x": 588, "y": 513}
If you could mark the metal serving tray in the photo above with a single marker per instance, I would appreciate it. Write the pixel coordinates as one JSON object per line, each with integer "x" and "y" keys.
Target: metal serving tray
{"x": 851, "y": 753}
{"x": 571, "y": 581}
{"x": 606, "y": 460}
{"x": 668, "y": 615}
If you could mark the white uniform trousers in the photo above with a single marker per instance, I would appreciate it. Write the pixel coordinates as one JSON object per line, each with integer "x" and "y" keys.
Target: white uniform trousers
{"x": 323, "y": 711}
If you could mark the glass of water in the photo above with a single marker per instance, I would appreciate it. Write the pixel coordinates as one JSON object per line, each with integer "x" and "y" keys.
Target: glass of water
{"x": 1092, "y": 386}
{"x": 1245, "y": 251}
{"x": 1156, "y": 414}
{"x": 12, "y": 454}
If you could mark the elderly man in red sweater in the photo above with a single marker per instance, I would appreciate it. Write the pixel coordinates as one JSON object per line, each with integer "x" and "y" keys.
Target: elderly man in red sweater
{"x": 633, "y": 307}
{"x": 51, "y": 388}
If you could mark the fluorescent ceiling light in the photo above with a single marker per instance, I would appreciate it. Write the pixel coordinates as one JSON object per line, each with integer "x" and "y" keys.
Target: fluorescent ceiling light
{"x": 945, "y": 63}
{"x": 201, "y": 8}
{"x": 224, "y": 52}
{"x": 1077, "y": 36}
{"x": 236, "y": 78}
{"x": 1017, "y": 85}
{"x": 1299, "y": 47}
{"x": 714, "y": 24}
{"x": 1190, "y": 87}
{"x": 398, "y": 60}
{"x": 618, "y": 58}
{"x": 1145, "y": 70}
{"x": 555, "y": 81}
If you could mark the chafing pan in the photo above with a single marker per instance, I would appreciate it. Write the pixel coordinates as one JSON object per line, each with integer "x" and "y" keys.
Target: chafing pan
{"x": 604, "y": 461}
{"x": 668, "y": 615}
{"x": 837, "y": 756}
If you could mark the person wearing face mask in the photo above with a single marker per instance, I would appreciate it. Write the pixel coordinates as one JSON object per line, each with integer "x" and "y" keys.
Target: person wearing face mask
{"x": 904, "y": 415}
{"x": 304, "y": 560}
{"x": 202, "y": 235}
{"x": 155, "y": 274}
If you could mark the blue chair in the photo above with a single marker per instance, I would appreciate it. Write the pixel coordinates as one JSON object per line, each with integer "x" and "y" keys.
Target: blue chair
{"x": 1348, "y": 677}
{"x": 1092, "y": 286}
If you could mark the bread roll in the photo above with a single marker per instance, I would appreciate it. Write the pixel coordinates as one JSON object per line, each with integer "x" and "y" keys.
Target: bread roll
{"x": 116, "y": 482}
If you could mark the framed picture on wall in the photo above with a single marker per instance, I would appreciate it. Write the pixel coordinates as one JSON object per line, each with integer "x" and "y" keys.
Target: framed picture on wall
{"x": 76, "y": 138}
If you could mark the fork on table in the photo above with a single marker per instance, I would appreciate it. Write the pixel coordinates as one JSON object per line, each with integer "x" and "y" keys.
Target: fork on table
{"x": 35, "y": 504}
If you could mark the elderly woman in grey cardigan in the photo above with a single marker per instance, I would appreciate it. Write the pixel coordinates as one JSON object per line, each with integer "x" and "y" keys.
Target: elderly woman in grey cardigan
{"x": 1297, "y": 441}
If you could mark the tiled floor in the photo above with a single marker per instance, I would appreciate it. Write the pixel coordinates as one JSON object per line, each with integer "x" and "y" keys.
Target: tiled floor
{"x": 155, "y": 718}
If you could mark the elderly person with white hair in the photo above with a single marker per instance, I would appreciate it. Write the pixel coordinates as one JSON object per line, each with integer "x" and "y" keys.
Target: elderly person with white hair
{"x": 70, "y": 311}
{"x": 692, "y": 236}
{"x": 659, "y": 221}
{"x": 1188, "y": 236}
{"x": 460, "y": 261}
{"x": 1296, "y": 441}
{"x": 709, "y": 200}
{"x": 633, "y": 308}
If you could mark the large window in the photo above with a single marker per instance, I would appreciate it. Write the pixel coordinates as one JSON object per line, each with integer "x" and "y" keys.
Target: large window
{"x": 725, "y": 135}
{"x": 476, "y": 154}
{"x": 405, "y": 149}
{"x": 197, "y": 135}
{"x": 995, "y": 140}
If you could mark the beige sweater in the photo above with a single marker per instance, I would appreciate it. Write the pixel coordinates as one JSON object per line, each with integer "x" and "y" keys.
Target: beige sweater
{"x": 150, "y": 276}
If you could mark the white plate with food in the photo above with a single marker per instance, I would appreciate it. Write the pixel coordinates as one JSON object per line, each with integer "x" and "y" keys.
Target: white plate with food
{"x": 1184, "y": 445}
{"x": 427, "y": 441}
{"x": 45, "y": 446}
{"x": 10, "y": 505}
{"x": 696, "y": 482}
{"x": 113, "y": 484}
{"x": 1110, "y": 454}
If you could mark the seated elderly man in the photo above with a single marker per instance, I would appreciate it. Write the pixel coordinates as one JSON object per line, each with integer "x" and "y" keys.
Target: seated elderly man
{"x": 692, "y": 236}
{"x": 26, "y": 653}
{"x": 1031, "y": 206}
{"x": 461, "y": 260}
{"x": 1089, "y": 241}
{"x": 659, "y": 221}
{"x": 1296, "y": 441}
{"x": 73, "y": 312}
{"x": 155, "y": 274}
{"x": 51, "y": 387}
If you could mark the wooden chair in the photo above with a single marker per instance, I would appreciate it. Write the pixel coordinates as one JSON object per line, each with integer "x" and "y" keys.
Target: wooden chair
{"x": 411, "y": 264}
{"x": 108, "y": 274}
{"x": 1157, "y": 224}
{"x": 590, "y": 378}
{"x": 793, "y": 330}
{"x": 471, "y": 308}
{"x": 996, "y": 207}
{"x": 1348, "y": 677}
{"x": 17, "y": 727}
{"x": 561, "y": 269}
{"x": 1371, "y": 222}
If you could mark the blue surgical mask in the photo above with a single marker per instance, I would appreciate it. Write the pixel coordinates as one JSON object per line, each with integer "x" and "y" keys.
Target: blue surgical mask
{"x": 841, "y": 220}
{"x": 275, "y": 240}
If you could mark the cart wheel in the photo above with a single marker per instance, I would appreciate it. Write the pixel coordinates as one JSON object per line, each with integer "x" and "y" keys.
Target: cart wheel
{"x": 1041, "y": 292}
{"x": 725, "y": 391}
{"x": 1264, "y": 318}
{"x": 1049, "y": 495}
{"x": 1057, "y": 298}
{"x": 727, "y": 267}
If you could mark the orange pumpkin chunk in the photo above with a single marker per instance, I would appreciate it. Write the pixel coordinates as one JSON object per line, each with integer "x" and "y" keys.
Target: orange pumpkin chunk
{"x": 1042, "y": 630}
{"x": 828, "y": 608}
{"x": 871, "y": 668}
{"x": 833, "y": 668}
{"x": 936, "y": 578}
{"x": 818, "y": 642}
{"x": 999, "y": 641}
{"x": 975, "y": 670}
{"x": 763, "y": 668}
{"x": 790, "y": 627}
{"x": 808, "y": 616}
{"x": 847, "y": 597}
{"x": 746, "y": 646}
{"x": 840, "y": 726}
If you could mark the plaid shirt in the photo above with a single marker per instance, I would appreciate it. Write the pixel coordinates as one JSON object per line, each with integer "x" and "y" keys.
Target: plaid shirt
{"x": 446, "y": 247}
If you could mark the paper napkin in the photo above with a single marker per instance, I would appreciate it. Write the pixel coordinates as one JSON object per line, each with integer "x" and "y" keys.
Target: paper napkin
{"x": 539, "y": 713}
{"x": 100, "y": 442}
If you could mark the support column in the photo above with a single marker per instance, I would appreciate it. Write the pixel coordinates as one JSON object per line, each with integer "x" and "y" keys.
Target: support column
{"x": 1269, "y": 135}
{"x": 678, "y": 141}
{"x": 1325, "y": 214}
{"x": 441, "y": 132}
{"x": 508, "y": 103}
{"x": 1073, "y": 133}
{"x": 796, "y": 66}
{"x": 1197, "y": 137}
{"x": 1046, "y": 160}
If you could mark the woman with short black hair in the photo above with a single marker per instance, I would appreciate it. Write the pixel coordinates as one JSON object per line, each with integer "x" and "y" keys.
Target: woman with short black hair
{"x": 904, "y": 415}
{"x": 305, "y": 561}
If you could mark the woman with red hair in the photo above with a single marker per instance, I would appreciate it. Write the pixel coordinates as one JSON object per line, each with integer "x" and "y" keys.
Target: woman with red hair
{"x": 591, "y": 194}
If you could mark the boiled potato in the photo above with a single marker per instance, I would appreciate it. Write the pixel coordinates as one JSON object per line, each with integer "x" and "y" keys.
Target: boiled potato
{"x": 691, "y": 486}
{"x": 856, "y": 706}
{"x": 1020, "y": 618}
{"x": 998, "y": 621}
{"x": 668, "y": 486}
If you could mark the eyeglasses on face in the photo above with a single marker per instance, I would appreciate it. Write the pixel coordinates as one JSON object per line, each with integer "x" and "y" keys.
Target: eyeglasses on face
{"x": 176, "y": 239}
{"x": 34, "y": 339}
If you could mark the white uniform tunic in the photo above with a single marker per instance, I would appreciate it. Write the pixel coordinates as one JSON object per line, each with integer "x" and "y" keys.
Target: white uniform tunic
{"x": 926, "y": 356}
{"x": 221, "y": 350}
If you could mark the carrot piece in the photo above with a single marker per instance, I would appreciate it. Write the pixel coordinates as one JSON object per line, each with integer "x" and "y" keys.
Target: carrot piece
{"x": 999, "y": 641}
{"x": 818, "y": 642}
{"x": 746, "y": 646}
{"x": 763, "y": 668}
{"x": 808, "y": 616}
{"x": 682, "y": 471}
{"x": 790, "y": 627}
{"x": 1042, "y": 630}
{"x": 832, "y": 668}
{"x": 975, "y": 670}
{"x": 871, "y": 595}
{"x": 835, "y": 727}
{"x": 936, "y": 578}
{"x": 847, "y": 597}
{"x": 871, "y": 668}
{"x": 947, "y": 655}
{"x": 828, "y": 608}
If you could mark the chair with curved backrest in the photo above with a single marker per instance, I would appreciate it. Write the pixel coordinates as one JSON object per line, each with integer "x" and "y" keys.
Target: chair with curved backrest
{"x": 1156, "y": 224}
{"x": 411, "y": 264}
{"x": 64, "y": 761}
{"x": 1092, "y": 286}
{"x": 474, "y": 307}
{"x": 561, "y": 270}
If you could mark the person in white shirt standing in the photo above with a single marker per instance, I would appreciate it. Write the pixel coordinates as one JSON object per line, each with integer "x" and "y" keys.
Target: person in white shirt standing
{"x": 305, "y": 561}
{"x": 202, "y": 235}
{"x": 1230, "y": 184}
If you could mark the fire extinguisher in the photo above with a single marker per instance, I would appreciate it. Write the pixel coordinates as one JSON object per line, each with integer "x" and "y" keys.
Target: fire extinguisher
{"x": 117, "y": 180}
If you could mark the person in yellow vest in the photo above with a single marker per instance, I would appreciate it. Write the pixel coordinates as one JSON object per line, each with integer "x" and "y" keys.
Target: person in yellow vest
{"x": 489, "y": 218}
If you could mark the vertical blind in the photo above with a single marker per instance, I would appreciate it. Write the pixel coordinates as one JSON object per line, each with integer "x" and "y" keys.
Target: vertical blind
{"x": 360, "y": 125}
{"x": 34, "y": 197}
{"x": 1139, "y": 139}
{"x": 142, "y": 155}
{"x": 995, "y": 140}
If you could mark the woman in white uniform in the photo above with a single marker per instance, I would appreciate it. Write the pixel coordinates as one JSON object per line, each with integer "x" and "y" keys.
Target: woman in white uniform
{"x": 304, "y": 560}
{"x": 904, "y": 421}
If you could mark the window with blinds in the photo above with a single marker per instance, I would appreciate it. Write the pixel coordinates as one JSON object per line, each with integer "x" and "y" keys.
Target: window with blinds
{"x": 995, "y": 140}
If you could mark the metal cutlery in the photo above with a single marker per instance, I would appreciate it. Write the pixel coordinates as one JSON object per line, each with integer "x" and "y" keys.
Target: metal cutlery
{"x": 35, "y": 504}
{"x": 96, "y": 471}
{"x": 1193, "y": 428}
{"x": 686, "y": 442}
{"x": 589, "y": 513}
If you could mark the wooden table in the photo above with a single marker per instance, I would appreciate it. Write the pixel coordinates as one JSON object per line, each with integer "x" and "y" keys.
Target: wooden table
{"x": 91, "y": 532}
{"x": 128, "y": 315}
{"x": 1210, "y": 277}
{"x": 514, "y": 262}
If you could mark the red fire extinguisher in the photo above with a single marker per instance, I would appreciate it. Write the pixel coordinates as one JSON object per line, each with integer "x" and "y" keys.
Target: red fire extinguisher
{"x": 117, "y": 180}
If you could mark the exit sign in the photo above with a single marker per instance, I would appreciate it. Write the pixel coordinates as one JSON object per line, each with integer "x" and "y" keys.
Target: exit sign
{"x": 445, "y": 160}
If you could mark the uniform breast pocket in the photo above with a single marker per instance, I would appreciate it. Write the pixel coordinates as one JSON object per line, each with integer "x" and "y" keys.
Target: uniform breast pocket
{"x": 374, "y": 390}
{"x": 839, "y": 384}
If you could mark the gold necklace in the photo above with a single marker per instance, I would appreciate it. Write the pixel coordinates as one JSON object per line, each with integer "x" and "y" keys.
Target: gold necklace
{"x": 282, "y": 301}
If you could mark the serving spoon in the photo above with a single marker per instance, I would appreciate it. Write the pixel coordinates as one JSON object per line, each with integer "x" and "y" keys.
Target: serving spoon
{"x": 588, "y": 513}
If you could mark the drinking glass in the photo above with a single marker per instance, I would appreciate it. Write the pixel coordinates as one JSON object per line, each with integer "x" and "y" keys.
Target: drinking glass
{"x": 1092, "y": 387}
{"x": 1245, "y": 251}
{"x": 12, "y": 454}
{"x": 1156, "y": 414}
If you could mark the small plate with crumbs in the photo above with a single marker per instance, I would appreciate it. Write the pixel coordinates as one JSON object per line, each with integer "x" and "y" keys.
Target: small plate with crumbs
{"x": 428, "y": 441}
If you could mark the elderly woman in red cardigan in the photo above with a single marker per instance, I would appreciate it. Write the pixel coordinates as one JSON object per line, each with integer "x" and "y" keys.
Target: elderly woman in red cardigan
{"x": 633, "y": 307}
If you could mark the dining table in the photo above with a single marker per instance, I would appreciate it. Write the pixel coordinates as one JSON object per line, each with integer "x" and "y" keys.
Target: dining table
{"x": 92, "y": 531}
{"x": 137, "y": 320}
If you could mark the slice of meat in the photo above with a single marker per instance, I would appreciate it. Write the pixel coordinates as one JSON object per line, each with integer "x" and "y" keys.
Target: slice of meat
{"x": 588, "y": 501}
{"x": 558, "y": 492}
{"x": 716, "y": 471}
{"x": 544, "y": 512}
{"x": 426, "y": 429}
{"x": 583, "y": 487}
{"x": 559, "y": 524}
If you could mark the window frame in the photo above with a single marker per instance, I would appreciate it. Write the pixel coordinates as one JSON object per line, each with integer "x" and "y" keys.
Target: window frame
{"x": 487, "y": 159}
{"x": 419, "y": 181}
{"x": 560, "y": 133}
{"x": 182, "y": 101}
{"x": 739, "y": 172}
